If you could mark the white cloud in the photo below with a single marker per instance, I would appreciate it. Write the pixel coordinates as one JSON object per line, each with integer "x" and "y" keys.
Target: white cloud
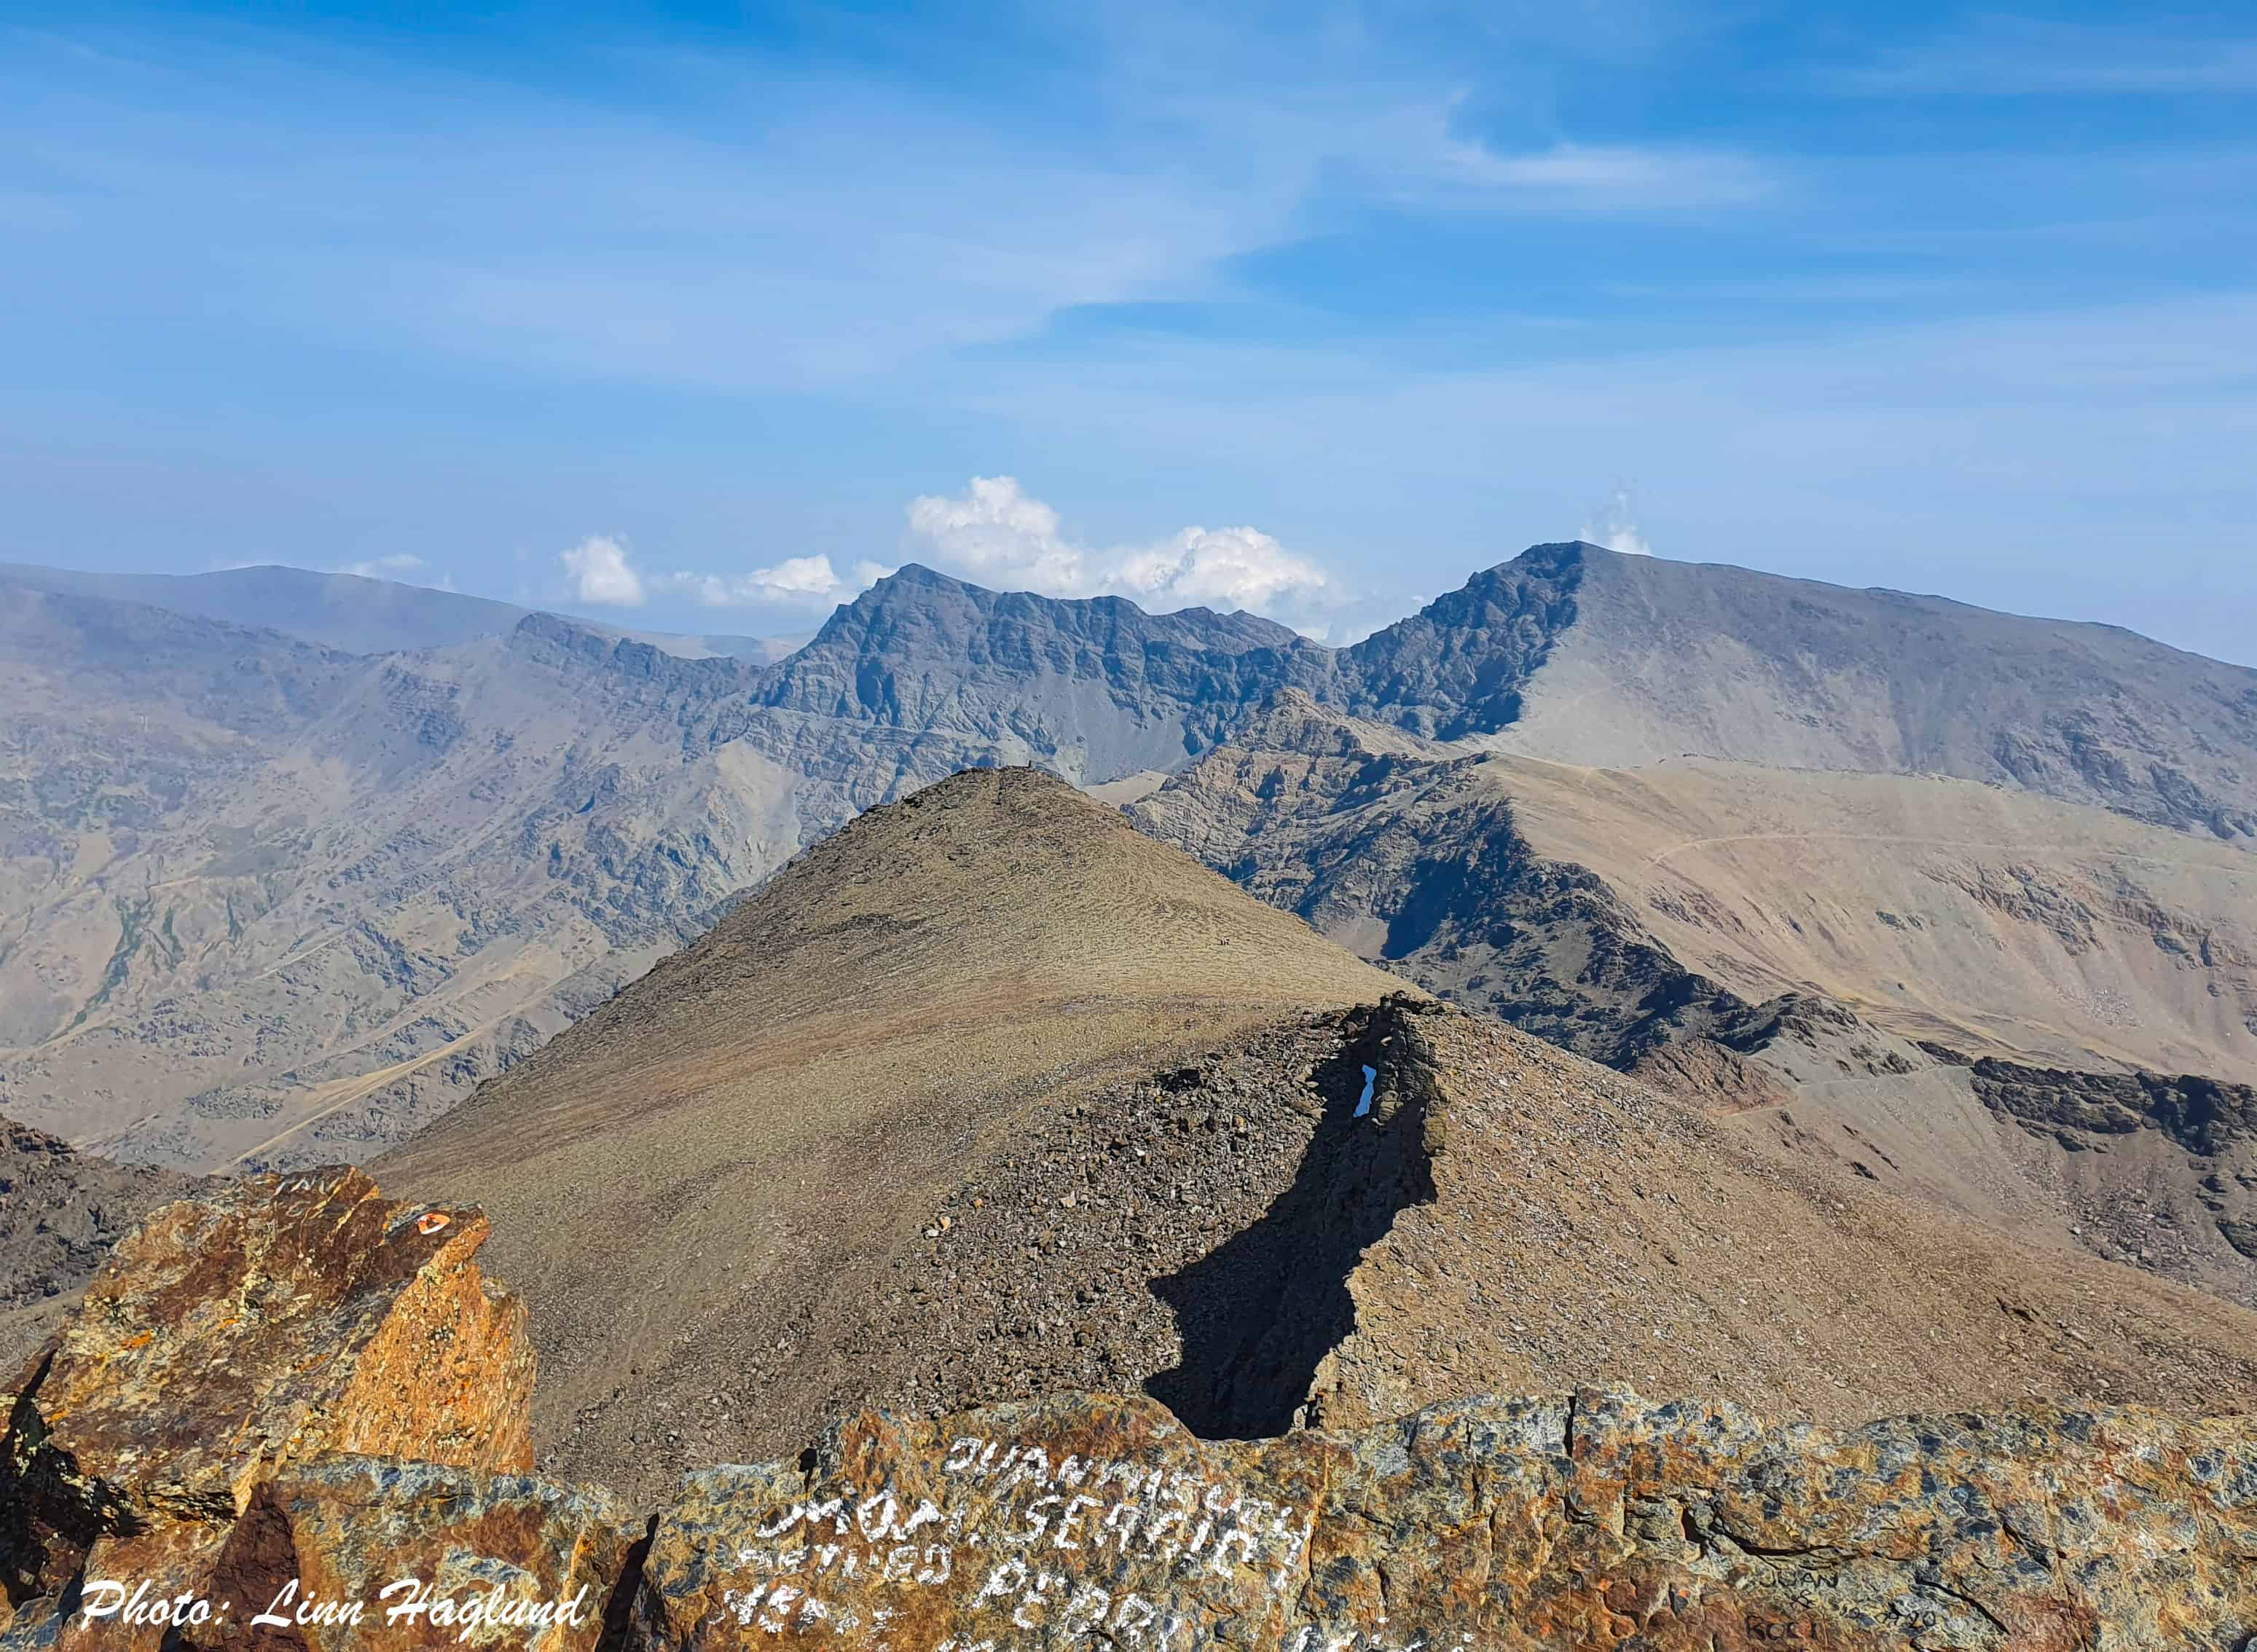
{"x": 999, "y": 534}
{"x": 1615, "y": 524}
{"x": 805, "y": 580}
{"x": 602, "y": 574}
{"x": 383, "y": 566}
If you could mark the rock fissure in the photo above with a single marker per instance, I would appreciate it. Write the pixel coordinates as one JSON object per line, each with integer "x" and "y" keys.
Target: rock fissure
{"x": 1259, "y": 1314}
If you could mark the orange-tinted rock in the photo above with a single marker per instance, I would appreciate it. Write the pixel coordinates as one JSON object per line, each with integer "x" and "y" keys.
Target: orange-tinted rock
{"x": 232, "y": 1335}
{"x": 367, "y": 1552}
{"x": 1483, "y": 1526}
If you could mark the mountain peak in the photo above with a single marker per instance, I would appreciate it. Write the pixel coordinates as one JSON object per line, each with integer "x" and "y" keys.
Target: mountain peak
{"x": 799, "y": 1087}
{"x": 911, "y": 576}
{"x": 1093, "y": 687}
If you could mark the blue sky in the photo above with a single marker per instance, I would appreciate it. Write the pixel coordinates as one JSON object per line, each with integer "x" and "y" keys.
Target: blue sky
{"x": 699, "y": 319}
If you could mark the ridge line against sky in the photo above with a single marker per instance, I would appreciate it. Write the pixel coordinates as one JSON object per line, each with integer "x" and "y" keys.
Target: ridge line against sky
{"x": 710, "y": 319}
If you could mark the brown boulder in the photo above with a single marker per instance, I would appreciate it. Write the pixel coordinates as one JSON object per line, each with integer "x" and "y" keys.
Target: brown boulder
{"x": 1594, "y": 1521}
{"x": 278, "y": 1319}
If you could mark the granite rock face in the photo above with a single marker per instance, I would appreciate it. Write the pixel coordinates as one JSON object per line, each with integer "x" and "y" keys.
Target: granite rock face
{"x": 1593, "y": 1521}
{"x": 229, "y": 1338}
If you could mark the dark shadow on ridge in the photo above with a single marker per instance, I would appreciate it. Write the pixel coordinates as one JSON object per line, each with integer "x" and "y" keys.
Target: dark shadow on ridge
{"x": 1259, "y": 1313}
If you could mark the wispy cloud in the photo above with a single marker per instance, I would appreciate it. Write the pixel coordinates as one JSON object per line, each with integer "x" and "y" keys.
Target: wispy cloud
{"x": 2028, "y": 57}
{"x": 1406, "y": 283}
{"x": 398, "y": 565}
{"x": 1615, "y": 524}
{"x": 850, "y": 231}
{"x": 1604, "y": 178}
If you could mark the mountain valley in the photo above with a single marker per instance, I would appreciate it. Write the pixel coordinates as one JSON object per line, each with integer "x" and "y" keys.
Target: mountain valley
{"x": 1858, "y": 947}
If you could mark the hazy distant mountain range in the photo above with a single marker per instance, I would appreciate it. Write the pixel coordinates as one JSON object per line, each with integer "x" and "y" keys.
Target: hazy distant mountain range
{"x": 350, "y": 612}
{"x": 288, "y": 864}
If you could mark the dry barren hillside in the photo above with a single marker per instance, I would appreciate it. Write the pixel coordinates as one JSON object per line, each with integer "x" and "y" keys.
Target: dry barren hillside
{"x": 1583, "y": 1226}
{"x": 988, "y": 1095}
{"x": 1620, "y": 661}
{"x": 1936, "y": 908}
{"x": 745, "y": 1139}
{"x": 267, "y": 903}
{"x": 262, "y": 903}
{"x": 2036, "y": 1012}
{"x": 1998, "y": 921}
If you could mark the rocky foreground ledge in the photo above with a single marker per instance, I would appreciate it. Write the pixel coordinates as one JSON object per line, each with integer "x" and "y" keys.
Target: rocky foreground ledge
{"x": 294, "y": 1415}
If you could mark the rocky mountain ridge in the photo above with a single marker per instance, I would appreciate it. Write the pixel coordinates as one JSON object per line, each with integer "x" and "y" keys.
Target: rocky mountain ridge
{"x": 265, "y": 903}
{"x": 684, "y": 1176}
{"x": 1142, "y": 1131}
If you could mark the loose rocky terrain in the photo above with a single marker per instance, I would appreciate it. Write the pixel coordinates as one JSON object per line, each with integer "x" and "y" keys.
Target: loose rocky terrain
{"x": 346, "y": 1478}
{"x": 1116, "y": 1106}
{"x": 705, "y": 1184}
{"x": 60, "y": 1212}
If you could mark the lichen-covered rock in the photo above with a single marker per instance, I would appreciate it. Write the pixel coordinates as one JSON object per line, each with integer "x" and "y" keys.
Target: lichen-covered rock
{"x": 355, "y": 1552}
{"x": 279, "y": 1319}
{"x": 1596, "y": 1521}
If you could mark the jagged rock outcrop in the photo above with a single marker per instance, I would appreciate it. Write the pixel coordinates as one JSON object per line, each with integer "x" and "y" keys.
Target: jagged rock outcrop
{"x": 231, "y": 1336}
{"x": 2188, "y": 1191}
{"x": 60, "y": 1211}
{"x": 2204, "y": 1117}
{"x": 1098, "y": 689}
{"x": 1462, "y": 665}
{"x": 1712, "y": 1075}
{"x": 1415, "y": 860}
